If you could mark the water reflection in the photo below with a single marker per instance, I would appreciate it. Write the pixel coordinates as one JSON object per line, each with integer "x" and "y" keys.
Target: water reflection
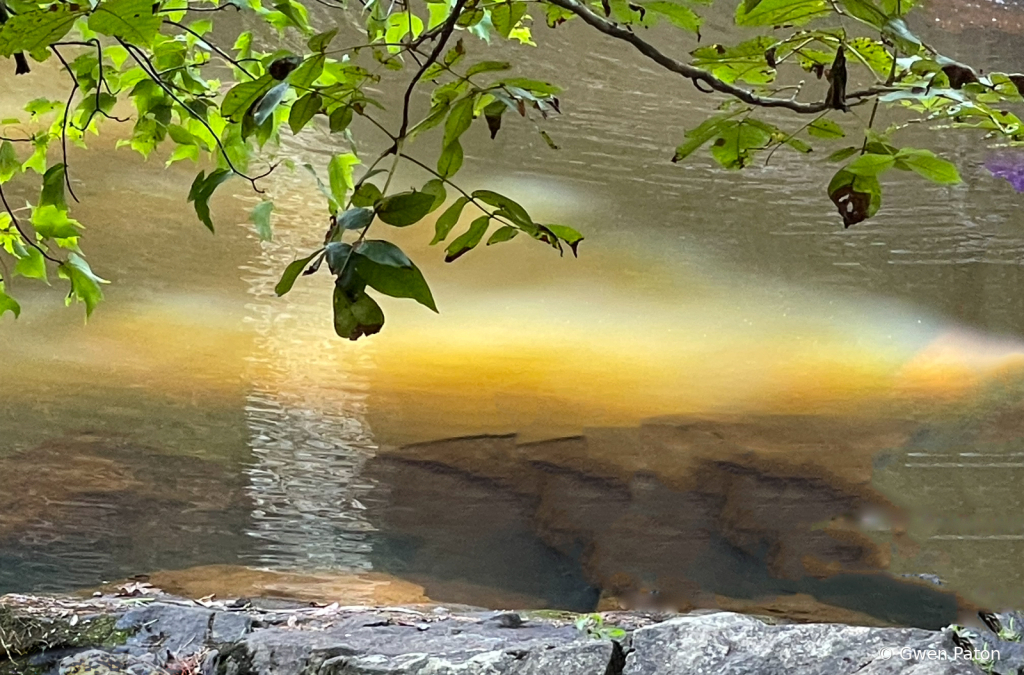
{"x": 304, "y": 410}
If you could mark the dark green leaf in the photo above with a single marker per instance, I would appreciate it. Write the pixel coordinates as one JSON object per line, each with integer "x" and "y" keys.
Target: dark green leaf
{"x": 340, "y": 119}
{"x": 383, "y": 253}
{"x": 534, "y": 86}
{"x": 450, "y": 160}
{"x": 303, "y": 110}
{"x": 241, "y": 97}
{"x": 356, "y": 219}
{"x": 405, "y": 208}
{"x": 356, "y": 317}
{"x": 53, "y": 187}
{"x": 292, "y": 272}
{"x": 398, "y": 282}
{"x": 435, "y": 187}
{"x": 338, "y": 255}
{"x": 448, "y": 220}
{"x": 203, "y": 188}
{"x": 518, "y": 214}
{"x": 467, "y": 240}
{"x": 502, "y": 234}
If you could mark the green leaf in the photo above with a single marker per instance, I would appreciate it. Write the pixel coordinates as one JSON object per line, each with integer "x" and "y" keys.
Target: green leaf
{"x": 241, "y": 97}
{"x": 134, "y": 21}
{"x": 340, "y": 119}
{"x": 268, "y": 104}
{"x": 680, "y": 15}
{"x": 486, "y": 67}
{"x": 405, "y": 208}
{"x": 383, "y": 253}
{"x": 356, "y": 317}
{"x": 516, "y": 212}
{"x": 924, "y": 163}
{"x": 303, "y": 110}
{"x": 53, "y": 187}
{"x": 338, "y": 255}
{"x": 9, "y": 164}
{"x": 52, "y": 222}
{"x": 320, "y": 42}
{"x": 459, "y": 119}
{"x": 781, "y": 12}
{"x": 398, "y": 282}
{"x": 708, "y": 129}
{"x": 202, "y": 189}
{"x": 8, "y": 304}
{"x": 745, "y": 62}
{"x": 824, "y": 128}
{"x": 502, "y": 234}
{"x": 568, "y": 235}
{"x": 450, "y": 160}
{"x": 870, "y": 165}
{"x": 292, "y": 272}
{"x": 305, "y": 75}
{"x": 435, "y": 186}
{"x": 32, "y": 265}
{"x": 85, "y": 285}
{"x": 35, "y": 30}
{"x": 260, "y": 216}
{"x": 534, "y": 86}
{"x": 468, "y": 240}
{"x": 448, "y": 220}
{"x": 367, "y": 194}
{"x": 339, "y": 171}
{"x": 355, "y": 219}
{"x": 506, "y": 15}
{"x": 738, "y": 142}
{"x": 842, "y": 153}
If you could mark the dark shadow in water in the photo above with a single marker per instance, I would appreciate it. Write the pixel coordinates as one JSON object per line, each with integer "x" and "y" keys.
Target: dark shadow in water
{"x": 490, "y": 520}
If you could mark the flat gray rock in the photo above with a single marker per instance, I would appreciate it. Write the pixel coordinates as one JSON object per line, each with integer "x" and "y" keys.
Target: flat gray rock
{"x": 733, "y": 644}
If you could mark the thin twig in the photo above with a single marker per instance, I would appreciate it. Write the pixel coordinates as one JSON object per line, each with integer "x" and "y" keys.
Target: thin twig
{"x": 64, "y": 124}
{"x": 17, "y": 225}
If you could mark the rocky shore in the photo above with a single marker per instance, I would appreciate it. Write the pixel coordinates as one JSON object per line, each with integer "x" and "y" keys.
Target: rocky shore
{"x": 167, "y": 635}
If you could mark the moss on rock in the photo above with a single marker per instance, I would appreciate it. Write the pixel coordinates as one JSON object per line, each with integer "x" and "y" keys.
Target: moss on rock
{"x": 25, "y": 638}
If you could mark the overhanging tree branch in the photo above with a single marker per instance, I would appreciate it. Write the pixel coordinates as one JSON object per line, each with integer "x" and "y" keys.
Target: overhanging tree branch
{"x": 696, "y": 75}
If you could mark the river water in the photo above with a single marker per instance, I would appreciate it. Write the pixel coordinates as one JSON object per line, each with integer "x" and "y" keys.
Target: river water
{"x": 756, "y": 407}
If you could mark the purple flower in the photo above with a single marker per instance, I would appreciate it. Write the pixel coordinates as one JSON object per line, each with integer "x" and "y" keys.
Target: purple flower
{"x": 1009, "y": 166}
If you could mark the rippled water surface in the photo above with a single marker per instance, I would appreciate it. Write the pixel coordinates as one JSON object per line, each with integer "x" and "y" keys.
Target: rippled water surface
{"x": 727, "y": 398}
